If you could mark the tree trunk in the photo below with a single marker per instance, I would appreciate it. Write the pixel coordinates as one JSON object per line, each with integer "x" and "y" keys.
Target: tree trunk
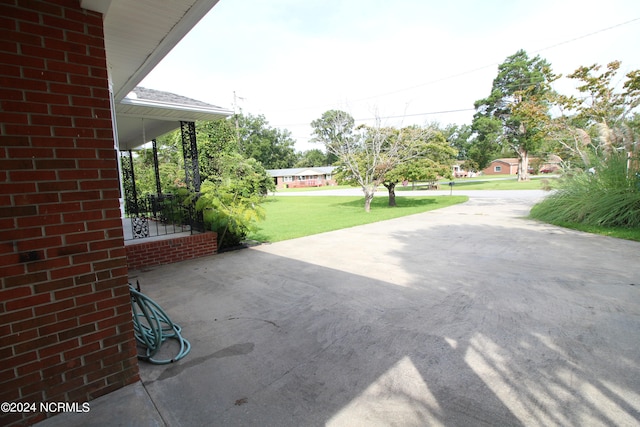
{"x": 392, "y": 193}
{"x": 368, "y": 197}
{"x": 523, "y": 165}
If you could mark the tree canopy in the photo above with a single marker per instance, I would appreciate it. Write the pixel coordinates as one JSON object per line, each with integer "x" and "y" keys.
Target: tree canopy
{"x": 372, "y": 155}
{"x": 272, "y": 147}
{"x": 432, "y": 159}
{"x": 602, "y": 118}
{"x": 513, "y": 116}
{"x": 312, "y": 158}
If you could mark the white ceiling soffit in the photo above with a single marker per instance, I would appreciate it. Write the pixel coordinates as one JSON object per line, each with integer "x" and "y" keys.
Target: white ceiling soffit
{"x": 140, "y": 33}
{"x": 135, "y": 132}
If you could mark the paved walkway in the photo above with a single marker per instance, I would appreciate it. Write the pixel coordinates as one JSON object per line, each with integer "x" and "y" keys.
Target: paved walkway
{"x": 468, "y": 315}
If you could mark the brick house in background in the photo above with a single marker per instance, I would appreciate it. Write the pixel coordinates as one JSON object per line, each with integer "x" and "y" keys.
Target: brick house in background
{"x": 319, "y": 176}
{"x": 506, "y": 166}
{"x": 509, "y": 166}
{"x": 65, "y": 314}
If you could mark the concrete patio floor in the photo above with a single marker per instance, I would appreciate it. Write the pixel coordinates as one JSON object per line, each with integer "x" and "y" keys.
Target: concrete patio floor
{"x": 465, "y": 316}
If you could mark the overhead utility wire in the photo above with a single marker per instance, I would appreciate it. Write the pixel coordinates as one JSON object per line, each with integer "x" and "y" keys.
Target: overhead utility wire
{"x": 468, "y": 72}
{"x": 496, "y": 63}
{"x": 486, "y": 66}
{"x": 588, "y": 35}
{"x": 393, "y": 117}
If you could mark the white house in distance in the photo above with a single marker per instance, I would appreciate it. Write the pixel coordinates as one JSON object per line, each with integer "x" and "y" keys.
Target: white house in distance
{"x": 318, "y": 176}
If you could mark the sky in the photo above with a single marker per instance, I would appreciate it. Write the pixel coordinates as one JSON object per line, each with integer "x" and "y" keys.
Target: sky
{"x": 404, "y": 61}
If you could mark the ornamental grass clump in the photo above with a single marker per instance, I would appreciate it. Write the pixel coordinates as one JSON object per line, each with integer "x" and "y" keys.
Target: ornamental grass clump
{"x": 607, "y": 195}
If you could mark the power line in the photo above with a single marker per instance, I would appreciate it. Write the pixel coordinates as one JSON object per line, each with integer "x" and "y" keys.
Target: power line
{"x": 417, "y": 114}
{"x": 453, "y": 76}
{"x": 392, "y": 117}
{"x": 496, "y": 63}
{"x": 587, "y": 35}
{"x": 459, "y": 75}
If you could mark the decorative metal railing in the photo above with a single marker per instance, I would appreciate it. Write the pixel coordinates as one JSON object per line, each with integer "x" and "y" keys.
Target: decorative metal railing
{"x": 162, "y": 214}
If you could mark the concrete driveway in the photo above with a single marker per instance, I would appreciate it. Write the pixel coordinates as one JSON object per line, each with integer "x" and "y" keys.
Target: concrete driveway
{"x": 465, "y": 316}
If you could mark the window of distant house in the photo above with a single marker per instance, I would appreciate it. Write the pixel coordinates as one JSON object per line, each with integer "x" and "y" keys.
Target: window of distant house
{"x": 327, "y": 176}
{"x": 288, "y": 178}
{"x": 497, "y": 168}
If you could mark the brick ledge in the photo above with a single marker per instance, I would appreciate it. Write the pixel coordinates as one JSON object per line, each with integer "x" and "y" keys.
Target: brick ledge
{"x": 167, "y": 251}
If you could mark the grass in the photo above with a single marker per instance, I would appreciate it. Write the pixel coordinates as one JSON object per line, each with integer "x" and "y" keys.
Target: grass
{"x": 305, "y": 189}
{"x": 606, "y": 201}
{"x": 620, "y": 233}
{"x": 486, "y": 183}
{"x": 297, "y": 216}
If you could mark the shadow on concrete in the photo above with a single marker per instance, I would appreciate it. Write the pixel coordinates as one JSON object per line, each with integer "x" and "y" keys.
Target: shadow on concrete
{"x": 444, "y": 325}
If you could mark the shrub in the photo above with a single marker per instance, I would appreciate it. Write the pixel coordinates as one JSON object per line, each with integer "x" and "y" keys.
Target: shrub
{"x": 231, "y": 204}
{"x": 606, "y": 195}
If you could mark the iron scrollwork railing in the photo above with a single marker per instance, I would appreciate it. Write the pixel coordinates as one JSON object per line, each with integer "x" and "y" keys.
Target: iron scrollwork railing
{"x": 162, "y": 214}
{"x": 139, "y": 222}
{"x": 190, "y": 154}
{"x": 129, "y": 183}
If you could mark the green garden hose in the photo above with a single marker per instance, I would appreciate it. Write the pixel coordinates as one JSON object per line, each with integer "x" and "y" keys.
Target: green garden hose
{"x": 153, "y": 327}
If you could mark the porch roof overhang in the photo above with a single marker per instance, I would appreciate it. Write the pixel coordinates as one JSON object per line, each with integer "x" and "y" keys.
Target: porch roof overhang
{"x": 139, "y": 120}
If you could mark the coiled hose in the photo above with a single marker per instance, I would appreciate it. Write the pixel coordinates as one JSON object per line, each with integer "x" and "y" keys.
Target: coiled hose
{"x": 152, "y": 327}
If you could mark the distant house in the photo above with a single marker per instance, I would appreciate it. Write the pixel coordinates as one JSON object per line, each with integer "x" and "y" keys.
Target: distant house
{"x": 303, "y": 177}
{"x": 459, "y": 171}
{"x": 509, "y": 166}
{"x": 506, "y": 166}
{"x": 552, "y": 164}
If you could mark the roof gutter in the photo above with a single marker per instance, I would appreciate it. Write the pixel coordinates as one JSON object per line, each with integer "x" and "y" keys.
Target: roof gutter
{"x": 176, "y": 107}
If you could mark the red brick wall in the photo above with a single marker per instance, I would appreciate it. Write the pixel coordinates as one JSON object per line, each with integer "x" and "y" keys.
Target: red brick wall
{"x": 65, "y": 317}
{"x": 167, "y": 251}
{"x": 505, "y": 169}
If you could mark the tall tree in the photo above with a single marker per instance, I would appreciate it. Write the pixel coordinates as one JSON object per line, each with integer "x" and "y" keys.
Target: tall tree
{"x": 459, "y": 137}
{"x": 513, "y": 116}
{"x": 487, "y": 131}
{"x": 216, "y": 140}
{"x": 272, "y": 147}
{"x": 311, "y": 158}
{"x": 333, "y": 128}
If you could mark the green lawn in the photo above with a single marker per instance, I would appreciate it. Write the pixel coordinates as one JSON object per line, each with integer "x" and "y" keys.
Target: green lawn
{"x": 489, "y": 183}
{"x": 620, "y": 233}
{"x": 304, "y": 189}
{"x": 289, "y": 217}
